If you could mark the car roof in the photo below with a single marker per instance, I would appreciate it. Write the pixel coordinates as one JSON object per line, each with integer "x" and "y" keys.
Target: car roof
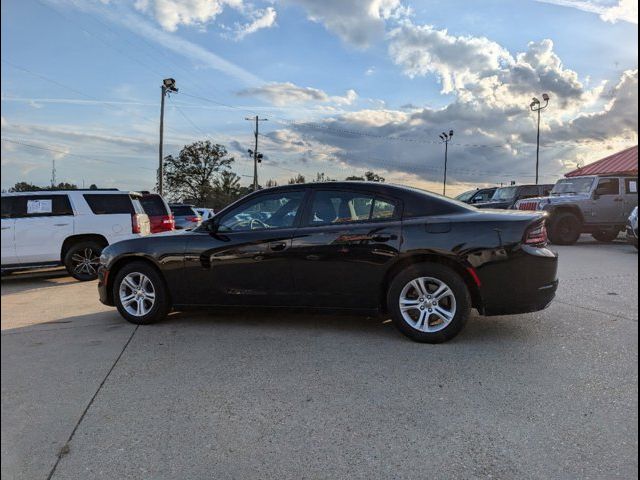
{"x": 66, "y": 192}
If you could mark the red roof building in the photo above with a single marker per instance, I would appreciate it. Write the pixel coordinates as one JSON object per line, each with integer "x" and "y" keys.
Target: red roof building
{"x": 621, "y": 163}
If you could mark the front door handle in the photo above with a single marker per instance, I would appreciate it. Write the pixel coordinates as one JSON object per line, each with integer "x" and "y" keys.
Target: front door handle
{"x": 383, "y": 238}
{"x": 60, "y": 224}
{"x": 6, "y": 228}
{"x": 618, "y": 199}
{"x": 278, "y": 246}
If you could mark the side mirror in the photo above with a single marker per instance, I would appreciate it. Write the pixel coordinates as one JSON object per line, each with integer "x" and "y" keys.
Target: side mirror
{"x": 212, "y": 225}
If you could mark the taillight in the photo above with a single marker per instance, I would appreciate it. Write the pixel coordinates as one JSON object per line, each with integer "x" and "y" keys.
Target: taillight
{"x": 135, "y": 223}
{"x": 536, "y": 235}
{"x": 193, "y": 219}
{"x": 169, "y": 221}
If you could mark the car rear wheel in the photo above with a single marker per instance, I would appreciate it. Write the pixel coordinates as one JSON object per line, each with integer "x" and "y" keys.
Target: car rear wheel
{"x": 565, "y": 229}
{"x": 605, "y": 235}
{"x": 140, "y": 294}
{"x": 83, "y": 259}
{"x": 429, "y": 302}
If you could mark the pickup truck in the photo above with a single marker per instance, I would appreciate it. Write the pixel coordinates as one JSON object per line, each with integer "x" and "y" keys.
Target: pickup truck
{"x": 599, "y": 205}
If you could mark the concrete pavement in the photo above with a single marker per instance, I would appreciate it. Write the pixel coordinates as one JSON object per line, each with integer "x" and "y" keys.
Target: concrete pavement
{"x": 551, "y": 394}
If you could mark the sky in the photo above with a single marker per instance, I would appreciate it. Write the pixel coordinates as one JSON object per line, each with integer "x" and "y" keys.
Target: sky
{"x": 345, "y": 86}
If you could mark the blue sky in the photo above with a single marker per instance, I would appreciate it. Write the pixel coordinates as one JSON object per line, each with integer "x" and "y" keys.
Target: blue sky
{"x": 347, "y": 86}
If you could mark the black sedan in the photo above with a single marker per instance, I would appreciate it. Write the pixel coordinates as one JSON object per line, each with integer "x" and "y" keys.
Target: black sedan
{"x": 423, "y": 259}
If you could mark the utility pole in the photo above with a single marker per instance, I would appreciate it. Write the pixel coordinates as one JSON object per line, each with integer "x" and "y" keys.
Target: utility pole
{"x": 536, "y": 106}
{"x": 446, "y": 138}
{"x": 53, "y": 173}
{"x": 168, "y": 86}
{"x": 257, "y": 157}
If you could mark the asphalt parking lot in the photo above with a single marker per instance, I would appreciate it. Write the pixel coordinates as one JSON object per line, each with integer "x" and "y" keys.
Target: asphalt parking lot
{"x": 244, "y": 395}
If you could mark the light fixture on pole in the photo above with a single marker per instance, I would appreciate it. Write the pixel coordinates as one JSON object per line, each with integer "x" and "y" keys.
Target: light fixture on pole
{"x": 446, "y": 138}
{"x": 257, "y": 157}
{"x": 536, "y": 106}
{"x": 168, "y": 86}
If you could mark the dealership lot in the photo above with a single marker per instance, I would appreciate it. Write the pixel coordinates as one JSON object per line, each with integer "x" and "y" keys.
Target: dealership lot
{"x": 248, "y": 394}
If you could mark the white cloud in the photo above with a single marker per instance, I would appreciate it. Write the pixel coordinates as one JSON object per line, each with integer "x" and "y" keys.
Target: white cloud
{"x": 356, "y": 22}
{"x": 285, "y": 93}
{"x": 261, "y": 19}
{"x": 172, "y": 13}
{"x": 624, "y": 10}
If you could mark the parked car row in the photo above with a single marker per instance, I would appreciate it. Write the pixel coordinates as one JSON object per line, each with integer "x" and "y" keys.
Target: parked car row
{"x": 599, "y": 205}
{"x": 71, "y": 228}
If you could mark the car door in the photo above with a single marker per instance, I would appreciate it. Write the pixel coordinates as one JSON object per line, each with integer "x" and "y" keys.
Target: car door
{"x": 42, "y": 224}
{"x": 9, "y": 256}
{"x": 608, "y": 204}
{"x": 245, "y": 260}
{"x": 343, "y": 248}
{"x": 630, "y": 195}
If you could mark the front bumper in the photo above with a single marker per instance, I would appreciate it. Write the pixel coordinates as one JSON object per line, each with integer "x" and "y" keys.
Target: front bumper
{"x": 103, "y": 287}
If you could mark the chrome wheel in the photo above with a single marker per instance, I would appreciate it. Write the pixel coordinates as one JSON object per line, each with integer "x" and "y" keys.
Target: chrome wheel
{"x": 137, "y": 294}
{"x": 427, "y": 304}
{"x": 86, "y": 262}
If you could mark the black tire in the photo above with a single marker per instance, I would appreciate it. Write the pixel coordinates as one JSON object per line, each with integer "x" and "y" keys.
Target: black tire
{"x": 161, "y": 304}
{"x": 606, "y": 236}
{"x": 443, "y": 274}
{"x": 82, "y": 260}
{"x": 565, "y": 229}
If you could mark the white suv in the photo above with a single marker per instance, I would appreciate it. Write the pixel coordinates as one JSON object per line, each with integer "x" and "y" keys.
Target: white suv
{"x": 70, "y": 228}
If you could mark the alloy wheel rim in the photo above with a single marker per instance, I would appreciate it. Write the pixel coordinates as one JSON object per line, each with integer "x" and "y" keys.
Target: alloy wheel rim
{"x": 427, "y": 304}
{"x": 85, "y": 262}
{"x": 137, "y": 294}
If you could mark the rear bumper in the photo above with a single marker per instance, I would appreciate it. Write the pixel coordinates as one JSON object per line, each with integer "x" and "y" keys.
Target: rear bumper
{"x": 103, "y": 287}
{"x": 521, "y": 281}
{"x": 538, "y": 300}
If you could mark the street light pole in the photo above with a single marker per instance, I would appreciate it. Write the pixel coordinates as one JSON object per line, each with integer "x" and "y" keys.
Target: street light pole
{"x": 257, "y": 157}
{"x": 536, "y": 106}
{"x": 168, "y": 86}
{"x": 446, "y": 138}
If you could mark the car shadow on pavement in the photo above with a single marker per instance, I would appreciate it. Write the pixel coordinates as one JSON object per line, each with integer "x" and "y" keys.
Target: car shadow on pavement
{"x": 25, "y": 281}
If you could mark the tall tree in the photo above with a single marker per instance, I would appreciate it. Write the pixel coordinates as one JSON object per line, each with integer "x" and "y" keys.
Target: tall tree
{"x": 373, "y": 177}
{"x": 271, "y": 183}
{"x": 226, "y": 189}
{"x": 297, "y": 179}
{"x": 190, "y": 175}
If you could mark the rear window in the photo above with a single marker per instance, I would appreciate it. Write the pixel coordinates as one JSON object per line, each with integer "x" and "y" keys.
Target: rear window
{"x": 153, "y": 205}
{"x": 183, "y": 210}
{"x": 27, "y": 206}
{"x": 110, "y": 204}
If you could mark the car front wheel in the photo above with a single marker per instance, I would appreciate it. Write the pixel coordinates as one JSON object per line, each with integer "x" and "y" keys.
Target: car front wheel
{"x": 429, "y": 302}
{"x": 565, "y": 229}
{"x": 140, "y": 294}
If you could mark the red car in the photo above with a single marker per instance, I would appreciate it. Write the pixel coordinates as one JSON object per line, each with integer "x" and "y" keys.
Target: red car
{"x": 158, "y": 211}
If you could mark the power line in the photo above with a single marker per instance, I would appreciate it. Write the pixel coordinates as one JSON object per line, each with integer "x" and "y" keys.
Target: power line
{"x": 66, "y": 153}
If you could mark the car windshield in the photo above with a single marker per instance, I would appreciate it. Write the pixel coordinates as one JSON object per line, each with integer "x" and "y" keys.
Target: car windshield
{"x": 463, "y": 197}
{"x": 572, "y": 185}
{"x": 504, "y": 193}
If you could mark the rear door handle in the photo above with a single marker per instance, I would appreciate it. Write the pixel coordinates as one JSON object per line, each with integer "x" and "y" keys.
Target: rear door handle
{"x": 618, "y": 199}
{"x": 278, "y": 246}
{"x": 60, "y": 224}
{"x": 6, "y": 228}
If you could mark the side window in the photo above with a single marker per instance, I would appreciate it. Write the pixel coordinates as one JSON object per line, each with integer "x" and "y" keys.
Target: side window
{"x": 608, "y": 186}
{"x": 41, "y": 206}
{"x": 528, "y": 192}
{"x": 7, "y": 207}
{"x": 101, "y": 204}
{"x": 337, "y": 207}
{"x": 630, "y": 186}
{"x": 277, "y": 210}
{"x": 382, "y": 209}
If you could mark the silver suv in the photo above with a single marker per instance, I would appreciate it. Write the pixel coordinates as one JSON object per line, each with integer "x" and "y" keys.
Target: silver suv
{"x": 599, "y": 205}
